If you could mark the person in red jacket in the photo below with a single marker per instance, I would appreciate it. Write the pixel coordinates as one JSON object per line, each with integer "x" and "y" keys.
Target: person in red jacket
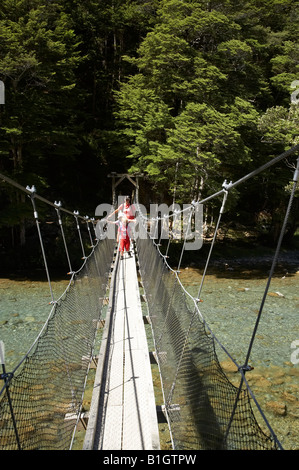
{"x": 123, "y": 234}
{"x": 126, "y": 209}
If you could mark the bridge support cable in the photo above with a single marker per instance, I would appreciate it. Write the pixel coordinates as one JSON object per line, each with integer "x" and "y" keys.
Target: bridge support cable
{"x": 212, "y": 244}
{"x": 246, "y": 366}
{"x": 76, "y": 214}
{"x": 46, "y": 387}
{"x": 200, "y": 288}
{"x": 57, "y": 207}
{"x": 32, "y": 196}
{"x": 169, "y": 398}
{"x": 198, "y": 396}
{"x": 231, "y": 185}
{"x": 166, "y": 306}
{"x": 275, "y": 258}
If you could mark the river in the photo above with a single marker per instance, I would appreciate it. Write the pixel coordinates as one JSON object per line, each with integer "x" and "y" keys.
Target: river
{"x": 231, "y": 298}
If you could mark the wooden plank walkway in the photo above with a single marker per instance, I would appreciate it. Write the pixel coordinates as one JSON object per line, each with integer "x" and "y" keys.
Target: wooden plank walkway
{"x": 123, "y": 410}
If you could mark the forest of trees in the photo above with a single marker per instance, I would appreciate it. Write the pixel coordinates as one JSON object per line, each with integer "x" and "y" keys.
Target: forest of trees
{"x": 187, "y": 92}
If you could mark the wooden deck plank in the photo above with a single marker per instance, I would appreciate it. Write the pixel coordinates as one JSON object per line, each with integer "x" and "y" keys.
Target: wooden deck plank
{"x": 114, "y": 389}
{"x": 112, "y": 434}
{"x": 112, "y": 437}
{"x": 139, "y": 401}
{"x": 137, "y": 432}
{"x": 128, "y": 418}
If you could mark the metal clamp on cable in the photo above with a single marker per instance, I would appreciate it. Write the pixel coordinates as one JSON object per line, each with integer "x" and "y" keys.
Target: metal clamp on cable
{"x": 32, "y": 190}
{"x": 57, "y": 207}
{"x": 245, "y": 368}
{"x": 6, "y": 376}
{"x": 227, "y": 185}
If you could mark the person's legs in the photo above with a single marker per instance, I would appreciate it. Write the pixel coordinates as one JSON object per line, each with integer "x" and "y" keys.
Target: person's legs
{"x": 127, "y": 245}
{"x": 121, "y": 248}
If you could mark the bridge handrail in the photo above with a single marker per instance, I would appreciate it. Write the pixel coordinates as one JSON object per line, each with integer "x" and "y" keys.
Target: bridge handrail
{"x": 225, "y": 189}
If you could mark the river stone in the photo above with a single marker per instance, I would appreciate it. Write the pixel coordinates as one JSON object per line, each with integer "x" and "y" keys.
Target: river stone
{"x": 30, "y": 319}
{"x": 278, "y": 408}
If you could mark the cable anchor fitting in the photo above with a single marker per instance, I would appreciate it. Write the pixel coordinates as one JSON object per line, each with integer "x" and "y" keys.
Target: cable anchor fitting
{"x": 245, "y": 368}
{"x": 32, "y": 190}
{"x": 227, "y": 185}
{"x": 6, "y": 376}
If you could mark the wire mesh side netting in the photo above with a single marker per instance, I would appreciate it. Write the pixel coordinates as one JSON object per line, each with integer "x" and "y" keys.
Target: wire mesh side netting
{"x": 205, "y": 410}
{"x": 47, "y": 388}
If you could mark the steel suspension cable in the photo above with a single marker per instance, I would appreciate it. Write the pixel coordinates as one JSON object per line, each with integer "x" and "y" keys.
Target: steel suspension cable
{"x": 58, "y": 206}
{"x": 246, "y": 367}
{"x": 32, "y": 196}
{"x": 295, "y": 181}
{"x": 28, "y": 190}
{"x": 212, "y": 244}
{"x": 225, "y": 189}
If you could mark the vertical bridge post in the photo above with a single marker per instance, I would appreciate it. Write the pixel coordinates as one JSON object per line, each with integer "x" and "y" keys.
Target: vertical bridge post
{"x": 121, "y": 177}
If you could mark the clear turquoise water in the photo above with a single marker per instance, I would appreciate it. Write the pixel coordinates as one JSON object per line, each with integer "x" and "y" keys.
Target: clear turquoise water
{"x": 230, "y": 307}
{"x": 231, "y": 300}
{"x": 24, "y": 308}
{"x": 230, "y": 304}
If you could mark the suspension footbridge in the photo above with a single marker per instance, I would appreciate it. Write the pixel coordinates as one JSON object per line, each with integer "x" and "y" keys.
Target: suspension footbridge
{"x": 123, "y": 410}
{"x": 41, "y": 399}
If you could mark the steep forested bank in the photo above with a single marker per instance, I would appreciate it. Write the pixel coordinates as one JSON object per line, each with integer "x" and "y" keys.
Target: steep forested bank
{"x": 187, "y": 92}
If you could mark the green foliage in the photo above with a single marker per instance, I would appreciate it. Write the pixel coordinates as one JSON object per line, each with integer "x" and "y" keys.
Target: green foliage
{"x": 281, "y": 125}
{"x": 205, "y": 74}
{"x": 38, "y": 59}
{"x": 189, "y": 92}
